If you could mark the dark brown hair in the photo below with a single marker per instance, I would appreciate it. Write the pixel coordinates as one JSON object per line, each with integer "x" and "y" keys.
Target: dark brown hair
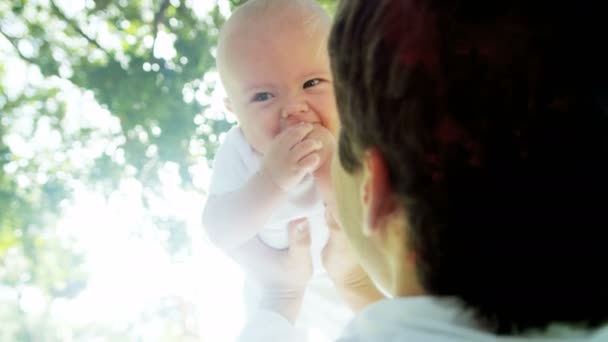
{"x": 492, "y": 118}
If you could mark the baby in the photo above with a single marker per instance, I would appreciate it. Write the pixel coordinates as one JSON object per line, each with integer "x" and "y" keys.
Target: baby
{"x": 274, "y": 65}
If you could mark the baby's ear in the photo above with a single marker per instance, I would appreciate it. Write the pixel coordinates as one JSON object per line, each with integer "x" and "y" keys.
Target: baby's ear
{"x": 228, "y": 104}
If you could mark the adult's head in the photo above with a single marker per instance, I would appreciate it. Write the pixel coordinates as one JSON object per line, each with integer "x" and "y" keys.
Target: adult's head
{"x": 473, "y": 154}
{"x": 273, "y": 62}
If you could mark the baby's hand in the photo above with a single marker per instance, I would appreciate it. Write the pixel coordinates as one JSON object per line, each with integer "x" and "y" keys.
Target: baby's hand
{"x": 323, "y": 135}
{"x": 291, "y": 156}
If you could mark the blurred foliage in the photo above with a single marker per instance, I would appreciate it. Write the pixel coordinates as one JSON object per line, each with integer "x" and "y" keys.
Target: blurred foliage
{"x": 95, "y": 91}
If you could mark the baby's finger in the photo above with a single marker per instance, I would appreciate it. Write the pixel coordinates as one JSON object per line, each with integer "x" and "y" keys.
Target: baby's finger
{"x": 309, "y": 163}
{"x": 293, "y": 135}
{"x": 304, "y": 148}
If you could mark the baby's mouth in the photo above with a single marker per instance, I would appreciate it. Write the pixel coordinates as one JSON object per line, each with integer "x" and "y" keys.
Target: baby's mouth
{"x": 284, "y": 124}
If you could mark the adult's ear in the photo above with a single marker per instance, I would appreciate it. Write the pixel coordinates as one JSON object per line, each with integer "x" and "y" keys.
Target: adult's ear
{"x": 378, "y": 200}
{"x": 228, "y": 104}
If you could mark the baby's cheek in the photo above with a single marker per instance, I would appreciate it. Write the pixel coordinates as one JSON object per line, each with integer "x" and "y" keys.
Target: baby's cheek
{"x": 265, "y": 139}
{"x": 274, "y": 129}
{"x": 330, "y": 120}
{"x": 333, "y": 125}
{"x": 285, "y": 124}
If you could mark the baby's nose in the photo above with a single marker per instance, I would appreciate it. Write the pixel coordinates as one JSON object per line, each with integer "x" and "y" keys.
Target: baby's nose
{"x": 295, "y": 108}
{"x": 294, "y": 113}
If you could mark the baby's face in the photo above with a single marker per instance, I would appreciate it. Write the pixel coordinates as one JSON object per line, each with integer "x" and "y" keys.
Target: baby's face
{"x": 276, "y": 78}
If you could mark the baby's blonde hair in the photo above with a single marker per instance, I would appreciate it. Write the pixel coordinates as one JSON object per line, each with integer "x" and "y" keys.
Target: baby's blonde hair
{"x": 312, "y": 13}
{"x": 309, "y": 14}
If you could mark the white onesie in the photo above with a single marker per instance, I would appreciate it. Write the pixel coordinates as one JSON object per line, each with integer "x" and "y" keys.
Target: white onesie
{"x": 236, "y": 162}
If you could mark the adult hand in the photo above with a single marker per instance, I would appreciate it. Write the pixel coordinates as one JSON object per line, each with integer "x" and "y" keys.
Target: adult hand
{"x": 282, "y": 274}
{"x": 344, "y": 269}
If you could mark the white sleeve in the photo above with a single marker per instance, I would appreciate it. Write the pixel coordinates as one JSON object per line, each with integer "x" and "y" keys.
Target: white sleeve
{"x": 268, "y": 326}
{"x": 229, "y": 171}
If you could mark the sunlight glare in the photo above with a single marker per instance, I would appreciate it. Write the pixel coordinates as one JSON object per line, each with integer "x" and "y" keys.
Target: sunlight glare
{"x": 130, "y": 270}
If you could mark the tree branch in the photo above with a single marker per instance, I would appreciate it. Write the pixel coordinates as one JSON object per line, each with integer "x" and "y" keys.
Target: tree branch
{"x": 13, "y": 42}
{"x": 158, "y": 18}
{"x": 76, "y": 28}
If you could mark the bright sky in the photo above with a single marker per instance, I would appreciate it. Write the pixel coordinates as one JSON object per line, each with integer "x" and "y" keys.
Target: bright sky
{"x": 130, "y": 273}
{"x": 129, "y": 270}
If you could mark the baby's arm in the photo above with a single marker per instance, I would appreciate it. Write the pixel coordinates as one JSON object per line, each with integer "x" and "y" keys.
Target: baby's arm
{"x": 233, "y": 218}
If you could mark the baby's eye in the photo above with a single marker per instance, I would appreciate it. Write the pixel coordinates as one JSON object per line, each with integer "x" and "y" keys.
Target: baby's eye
{"x": 261, "y": 97}
{"x": 311, "y": 83}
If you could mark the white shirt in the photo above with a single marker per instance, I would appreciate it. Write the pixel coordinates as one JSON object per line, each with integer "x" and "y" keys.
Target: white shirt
{"x": 416, "y": 319}
{"x": 322, "y": 307}
{"x": 236, "y": 162}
